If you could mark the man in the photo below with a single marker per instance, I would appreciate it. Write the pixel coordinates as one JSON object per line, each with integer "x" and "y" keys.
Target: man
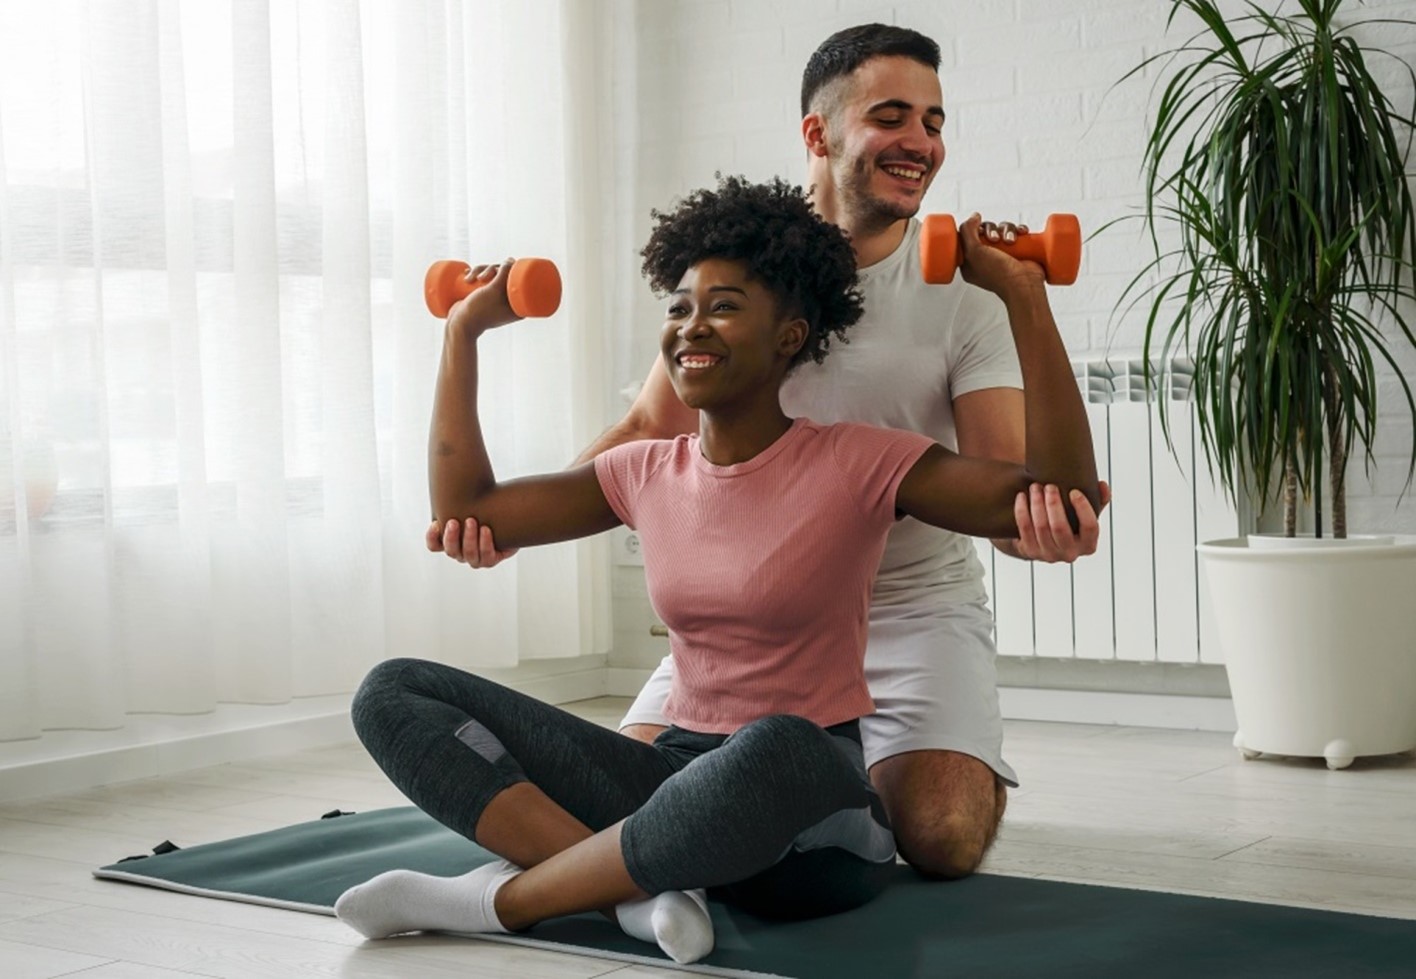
{"x": 934, "y": 359}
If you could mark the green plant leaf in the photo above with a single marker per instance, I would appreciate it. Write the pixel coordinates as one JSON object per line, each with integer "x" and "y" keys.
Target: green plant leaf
{"x": 1281, "y": 163}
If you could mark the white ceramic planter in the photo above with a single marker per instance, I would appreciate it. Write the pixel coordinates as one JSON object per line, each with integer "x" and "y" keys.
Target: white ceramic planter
{"x": 1319, "y": 643}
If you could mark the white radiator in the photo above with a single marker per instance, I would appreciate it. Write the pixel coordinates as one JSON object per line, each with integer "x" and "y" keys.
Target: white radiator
{"x": 1139, "y": 598}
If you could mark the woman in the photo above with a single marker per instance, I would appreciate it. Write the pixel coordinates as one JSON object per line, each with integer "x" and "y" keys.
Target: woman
{"x": 761, "y": 537}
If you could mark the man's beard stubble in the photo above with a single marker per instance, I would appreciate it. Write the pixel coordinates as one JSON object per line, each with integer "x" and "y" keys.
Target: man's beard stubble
{"x": 869, "y": 214}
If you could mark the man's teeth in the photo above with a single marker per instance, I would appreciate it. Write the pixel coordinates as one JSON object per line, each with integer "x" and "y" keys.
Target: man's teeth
{"x": 902, "y": 172}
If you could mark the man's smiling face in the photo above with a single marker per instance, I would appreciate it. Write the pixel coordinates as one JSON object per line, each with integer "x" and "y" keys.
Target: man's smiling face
{"x": 884, "y": 139}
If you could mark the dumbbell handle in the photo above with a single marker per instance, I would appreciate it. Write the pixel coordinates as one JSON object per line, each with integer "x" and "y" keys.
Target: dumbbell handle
{"x": 533, "y": 286}
{"x": 1057, "y": 248}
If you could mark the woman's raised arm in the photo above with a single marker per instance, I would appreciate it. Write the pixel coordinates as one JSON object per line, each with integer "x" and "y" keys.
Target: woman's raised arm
{"x": 461, "y": 482}
{"x": 976, "y": 496}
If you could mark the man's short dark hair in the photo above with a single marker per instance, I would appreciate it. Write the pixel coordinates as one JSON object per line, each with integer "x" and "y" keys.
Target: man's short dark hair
{"x": 845, "y": 51}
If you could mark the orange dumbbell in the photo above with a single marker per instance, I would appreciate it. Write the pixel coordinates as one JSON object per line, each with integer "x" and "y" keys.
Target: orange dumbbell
{"x": 1057, "y": 248}
{"x": 533, "y": 287}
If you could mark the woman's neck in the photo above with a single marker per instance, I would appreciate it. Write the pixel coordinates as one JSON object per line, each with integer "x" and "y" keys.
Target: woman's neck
{"x": 728, "y": 439}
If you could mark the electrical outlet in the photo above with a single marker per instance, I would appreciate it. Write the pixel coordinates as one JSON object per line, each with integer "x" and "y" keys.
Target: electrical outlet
{"x": 627, "y": 550}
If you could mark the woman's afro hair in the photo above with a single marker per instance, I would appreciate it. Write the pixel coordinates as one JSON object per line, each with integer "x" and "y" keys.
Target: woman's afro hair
{"x": 804, "y": 261}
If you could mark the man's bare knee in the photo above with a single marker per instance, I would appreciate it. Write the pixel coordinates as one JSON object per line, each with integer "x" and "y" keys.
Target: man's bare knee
{"x": 642, "y": 732}
{"x": 945, "y": 808}
{"x": 948, "y": 848}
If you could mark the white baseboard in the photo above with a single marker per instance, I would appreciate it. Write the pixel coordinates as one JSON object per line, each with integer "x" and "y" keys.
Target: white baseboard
{"x": 150, "y": 745}
{"x": 1068, "y": 706}
{"x": 1127, "y": 709}
{"x": 625, "y": 681}
{"x": 158, "y": 744}
{"x": 550, "y": 681}
{"x": 161, "y": 744}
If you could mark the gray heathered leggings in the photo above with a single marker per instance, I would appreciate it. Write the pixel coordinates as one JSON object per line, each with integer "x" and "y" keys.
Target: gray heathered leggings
{"x": 780, "y": 816}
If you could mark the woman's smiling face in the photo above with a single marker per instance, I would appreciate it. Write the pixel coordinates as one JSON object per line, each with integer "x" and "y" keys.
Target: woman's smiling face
{"x": 724, "y": 337}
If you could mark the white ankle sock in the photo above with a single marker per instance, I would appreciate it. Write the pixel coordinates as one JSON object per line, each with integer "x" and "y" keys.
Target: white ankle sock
{"x": 677, "y": 921}
{"x": 404, "y": 900}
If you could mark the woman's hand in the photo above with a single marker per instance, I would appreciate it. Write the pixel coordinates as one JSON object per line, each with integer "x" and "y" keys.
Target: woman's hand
{"x": 488, "y": 306}
{"x": 992, "y": 268}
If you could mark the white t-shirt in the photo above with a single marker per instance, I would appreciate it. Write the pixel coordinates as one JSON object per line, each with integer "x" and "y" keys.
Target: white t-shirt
{"x": 915, "y": 349}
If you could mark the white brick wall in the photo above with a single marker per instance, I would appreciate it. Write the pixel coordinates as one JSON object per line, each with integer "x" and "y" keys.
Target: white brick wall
{"x": 1032, "y": 128}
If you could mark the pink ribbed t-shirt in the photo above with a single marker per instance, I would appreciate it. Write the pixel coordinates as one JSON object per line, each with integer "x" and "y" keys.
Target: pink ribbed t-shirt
{"x": 762, "y": 571}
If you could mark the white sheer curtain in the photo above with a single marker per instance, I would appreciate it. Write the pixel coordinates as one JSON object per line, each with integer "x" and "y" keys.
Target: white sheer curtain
{"x": 215, "y": 365}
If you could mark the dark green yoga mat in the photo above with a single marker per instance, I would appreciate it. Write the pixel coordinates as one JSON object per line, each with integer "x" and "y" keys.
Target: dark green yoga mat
{"x": 983, "y": 926}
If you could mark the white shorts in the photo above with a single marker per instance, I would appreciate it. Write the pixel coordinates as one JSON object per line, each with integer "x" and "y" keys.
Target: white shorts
{"x": 932, "y": 675}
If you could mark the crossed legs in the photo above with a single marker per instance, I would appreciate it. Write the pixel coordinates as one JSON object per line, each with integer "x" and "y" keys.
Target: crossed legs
{"x": 602, "y": 822}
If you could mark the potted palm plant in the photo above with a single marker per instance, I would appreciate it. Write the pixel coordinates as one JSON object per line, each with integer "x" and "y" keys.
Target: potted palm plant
{"x": 1276, "y": 171}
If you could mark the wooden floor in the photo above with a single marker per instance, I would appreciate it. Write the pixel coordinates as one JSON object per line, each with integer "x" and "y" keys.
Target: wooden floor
{"x": 1166, "y": 810}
